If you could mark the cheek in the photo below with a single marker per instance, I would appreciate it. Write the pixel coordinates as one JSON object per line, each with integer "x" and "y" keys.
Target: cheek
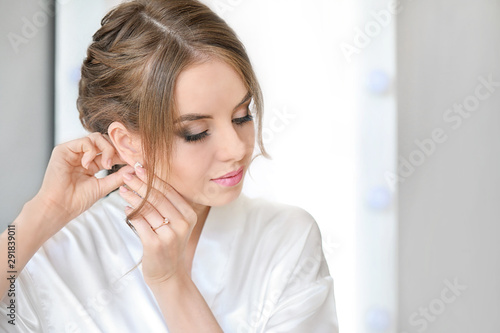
{"x": 248, "y": 135}
{"x": 190, "y": 164}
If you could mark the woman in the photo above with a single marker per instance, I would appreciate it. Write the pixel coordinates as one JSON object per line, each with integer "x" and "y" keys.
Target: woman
{"x": 167, "y": 91}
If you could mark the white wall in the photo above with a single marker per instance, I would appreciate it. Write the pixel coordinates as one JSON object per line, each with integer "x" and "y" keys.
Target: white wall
{"x": 26, "y": 67}
{"x": 448, "y": 222}
{"x": 371, "y": 56}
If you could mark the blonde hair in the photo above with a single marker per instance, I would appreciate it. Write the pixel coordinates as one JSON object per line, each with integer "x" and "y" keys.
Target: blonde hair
{"x": 134, "y": 61}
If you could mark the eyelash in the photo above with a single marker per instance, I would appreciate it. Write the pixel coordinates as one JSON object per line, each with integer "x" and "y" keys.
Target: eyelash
{"x": 203, "y": 135}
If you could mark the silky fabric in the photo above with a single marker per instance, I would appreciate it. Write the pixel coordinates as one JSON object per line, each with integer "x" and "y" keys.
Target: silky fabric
{"x": 259, "y": 265}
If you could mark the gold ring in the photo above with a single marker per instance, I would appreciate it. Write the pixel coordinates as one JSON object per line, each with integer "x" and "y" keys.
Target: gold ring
{"x": 165, "y": 222}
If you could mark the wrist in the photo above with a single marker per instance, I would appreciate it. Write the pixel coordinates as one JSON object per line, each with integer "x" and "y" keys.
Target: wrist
{"x": 175, "y": 283}
{"x": 49, "y": 209}
{"x": 38, "y": 221}
{"x": 183, "y": 306}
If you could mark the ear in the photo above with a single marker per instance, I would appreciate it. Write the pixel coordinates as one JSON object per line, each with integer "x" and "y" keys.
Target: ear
{"x": 127, "y": 144}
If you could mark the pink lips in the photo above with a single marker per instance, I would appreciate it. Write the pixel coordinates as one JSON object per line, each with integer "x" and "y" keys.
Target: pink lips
{"x": 231, "y": 178}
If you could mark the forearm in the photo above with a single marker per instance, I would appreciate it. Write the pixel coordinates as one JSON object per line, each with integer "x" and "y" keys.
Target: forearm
{"x": 21, "y": 240}
{"x": 183, "y": 306}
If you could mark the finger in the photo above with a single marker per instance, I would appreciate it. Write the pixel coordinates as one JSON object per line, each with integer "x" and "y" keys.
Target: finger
{"x": 155, "y": 214}
{"x": 97, "y": 165}
{"x": 117, "y": 160}
{"x": 156, "y": 199}
{"x": 89, "y": 154}
{"x": 103, "y": 163}
{"x": 149, "y": 212}
{"x": 152, "y": 216}
{"x": 93, "y": 168}
{"x": 135, "y": 201}
{"x": 174, "y": 197}
{"x": 63, "y": 152}
{"x": 94, "y": 145}
{"x": 79, "y": 146}
{"x": 113, "y": 181}
{"x": 142, "y": 227}
{"x": 106, "y": 148}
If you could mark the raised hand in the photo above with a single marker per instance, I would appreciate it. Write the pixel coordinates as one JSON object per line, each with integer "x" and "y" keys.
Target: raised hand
{"x": 69, "y": 186}
{"x": 165, "y": 246}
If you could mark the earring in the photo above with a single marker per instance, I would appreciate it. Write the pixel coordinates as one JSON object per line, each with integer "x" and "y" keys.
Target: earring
{"x": 137, "y": 165}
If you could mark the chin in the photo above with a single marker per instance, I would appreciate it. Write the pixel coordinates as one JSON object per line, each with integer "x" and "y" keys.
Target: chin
{"x": 226, "y": 198}
{"x": 215, "y": 195}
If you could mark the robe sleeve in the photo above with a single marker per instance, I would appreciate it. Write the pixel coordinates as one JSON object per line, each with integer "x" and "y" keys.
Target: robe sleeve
{"x": 27, "y": 314}
{"x": 307, "y": 302}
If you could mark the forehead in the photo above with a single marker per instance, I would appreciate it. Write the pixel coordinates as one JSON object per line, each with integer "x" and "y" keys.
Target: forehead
{"x": 208, "y": 87}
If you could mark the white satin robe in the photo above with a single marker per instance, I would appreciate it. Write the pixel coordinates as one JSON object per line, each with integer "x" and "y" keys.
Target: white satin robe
{"x": 259, "y": 265}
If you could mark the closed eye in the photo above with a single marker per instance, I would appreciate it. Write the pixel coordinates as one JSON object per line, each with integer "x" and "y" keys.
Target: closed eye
{"x": 242, "y": 120}
{"x": 203, "y": 135}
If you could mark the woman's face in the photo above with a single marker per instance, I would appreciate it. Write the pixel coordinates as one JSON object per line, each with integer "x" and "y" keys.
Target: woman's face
{"x": 217, "y": 134}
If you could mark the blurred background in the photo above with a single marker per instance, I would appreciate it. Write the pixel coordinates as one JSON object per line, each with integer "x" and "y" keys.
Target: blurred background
{"x": 382, "y": 118}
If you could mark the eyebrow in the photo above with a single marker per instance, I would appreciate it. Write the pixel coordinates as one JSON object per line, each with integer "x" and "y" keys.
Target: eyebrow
{"x": 197, "y": 116}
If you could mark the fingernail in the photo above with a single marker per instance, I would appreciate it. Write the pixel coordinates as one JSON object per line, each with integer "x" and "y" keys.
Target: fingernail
{"x": 110, "y": 164}
{"x": 140, "y": 170}
{"x": 127, "y": 176}
{"x": 123, "y": 189}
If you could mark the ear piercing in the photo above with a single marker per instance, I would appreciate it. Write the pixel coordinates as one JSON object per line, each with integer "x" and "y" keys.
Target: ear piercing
{"x": 137, "y": 164}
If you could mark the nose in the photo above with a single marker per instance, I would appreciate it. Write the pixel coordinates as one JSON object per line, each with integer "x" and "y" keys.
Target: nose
{"x": 231, "y": 145}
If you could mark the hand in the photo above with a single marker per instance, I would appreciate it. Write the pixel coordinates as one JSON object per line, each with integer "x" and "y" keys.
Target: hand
{"x": 164, "y": 249}
{"x": 69, "y": 186}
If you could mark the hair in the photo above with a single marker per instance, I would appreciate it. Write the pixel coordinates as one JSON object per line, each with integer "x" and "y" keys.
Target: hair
{"x": 133, "y": 63}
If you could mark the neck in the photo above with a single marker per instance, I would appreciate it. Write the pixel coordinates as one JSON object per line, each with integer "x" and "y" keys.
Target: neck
{"x": 201, "y": 213}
